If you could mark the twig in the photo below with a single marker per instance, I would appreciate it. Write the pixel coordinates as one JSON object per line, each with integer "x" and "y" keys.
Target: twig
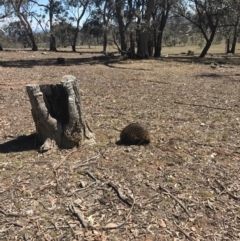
{"x": 86, "y": 162}
{"x": 115, "y": 128}
{"x": 120, "y": 194}
{"x": 12, "y": 214}
{"x": 64, "y": 159}
{"x": 69, "y": 225}
{"x": 45, "y": 186}
{"x": 152, "y": 200}
{"x": 79, "y": 215}
{"x": 176, "y": 199}
{"x": 60, "y": 227}
{"x": 123, "y": 223}
{"x": 91, "y": 175}
{"x": 206, "y": 106}
{"x": 15, "y": 224}
{"x": 225, "y": 189}
{"x": 180, "y": 229}
{"x": 54, "y": 225}
{"x": 80, "y": 189}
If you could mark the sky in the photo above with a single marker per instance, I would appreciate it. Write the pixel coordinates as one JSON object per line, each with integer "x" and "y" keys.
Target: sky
{"x": 34, "y": 24}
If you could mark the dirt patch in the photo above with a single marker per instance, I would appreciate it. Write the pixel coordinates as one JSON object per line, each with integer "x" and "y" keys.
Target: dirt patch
{"x": 185, "y": 185}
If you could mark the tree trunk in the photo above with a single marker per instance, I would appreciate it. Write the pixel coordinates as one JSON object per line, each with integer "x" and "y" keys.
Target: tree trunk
{"x": 24, "y": 21}
{"x": 58, "y": 114}
{"x": 227, "y": 45}
{"x": 235, "y": 36}
{"x": 52, "y": 31}
{"x": 143, "y": 45}
{"x": 205, "y": 49}
{"x": 150, "y": 46}
{"x": 163, "y": 21}
{"x": 208, "y": 43}
{"x": 144, "y": 35}
{"x": 121, "y": 26}
{"x": 75, "y": 41}
{"x": 33, "y": 42}
{"x": 53, "y": 43}
{"x": 74, "y": 47}
{"x": 104, "y": 41}
{"x": 131, "y": 51}
{"x": 158, "y": 45}
{"x": 233, "y": 44}
{"x": 1, "y": 49}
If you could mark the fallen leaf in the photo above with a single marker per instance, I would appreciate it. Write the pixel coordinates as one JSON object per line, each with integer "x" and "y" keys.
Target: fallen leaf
{"x": 111, "y": 225}
{"x": 162, "y": 224}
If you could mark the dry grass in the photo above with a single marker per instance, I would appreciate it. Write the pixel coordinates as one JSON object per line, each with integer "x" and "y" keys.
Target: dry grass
{"x": 183, "y": 186}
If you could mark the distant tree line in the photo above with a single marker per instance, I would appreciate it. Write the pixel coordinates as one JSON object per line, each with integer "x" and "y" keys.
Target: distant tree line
{"x": 138, "y": 28}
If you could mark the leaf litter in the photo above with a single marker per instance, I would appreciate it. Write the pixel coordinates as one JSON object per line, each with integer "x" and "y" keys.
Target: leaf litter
{"x": 184, "y": 185}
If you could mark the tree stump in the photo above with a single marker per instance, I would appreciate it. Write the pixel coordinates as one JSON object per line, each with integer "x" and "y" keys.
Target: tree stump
{"x": 58, "y": 114}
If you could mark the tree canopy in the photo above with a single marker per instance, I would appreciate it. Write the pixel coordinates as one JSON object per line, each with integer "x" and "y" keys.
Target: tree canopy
{"x": 137, "y": 27}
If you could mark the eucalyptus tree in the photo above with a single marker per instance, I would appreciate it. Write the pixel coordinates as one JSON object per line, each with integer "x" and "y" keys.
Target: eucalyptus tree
{"x": 205, "y": 15}
{"x": 92, "y": 28}
{"x": 5, "y": 9}
{"x": 144, "y": 10}
{"x": 134, "y": 16}
{"x": 229, "y": 25}
{"x": 21, "y": 9}
{"x": 145, "y": 20}
{"x": 54, "y": 9}
{"x": 104, "y": 11}
{"x": 64, "y": 32}
{"x": 76, "y": 9}
{"x": 4, "y": 12}
{"x": 160, "y": 16}
{"x": 16, "y": 31}
{"x": 125, "y": 12}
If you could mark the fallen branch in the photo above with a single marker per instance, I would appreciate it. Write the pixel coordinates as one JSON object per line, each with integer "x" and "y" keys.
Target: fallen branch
{"x": 206, "y": 106}
{"x": 85, "y": 224}
{"x": 120, "y": 194}
{"x": 165, "y": 191}
{"x": 225, "y": 190}
{"x": 79, "y": 215}
{"x": 182, "y": 231}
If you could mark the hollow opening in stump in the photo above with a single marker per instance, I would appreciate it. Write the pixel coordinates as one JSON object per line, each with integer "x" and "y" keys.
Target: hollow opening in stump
{"x": 56, "y": 101}
{"x": 58, "y": 114}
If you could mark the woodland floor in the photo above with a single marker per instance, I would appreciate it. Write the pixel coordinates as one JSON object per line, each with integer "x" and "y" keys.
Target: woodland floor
{"x": 185, "y": 185}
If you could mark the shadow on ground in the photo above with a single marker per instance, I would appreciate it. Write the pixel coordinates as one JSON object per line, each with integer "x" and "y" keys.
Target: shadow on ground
{"x": 21, "y": 143}
{"x": 30, "y": 63}
{"x": 106, "y": 60}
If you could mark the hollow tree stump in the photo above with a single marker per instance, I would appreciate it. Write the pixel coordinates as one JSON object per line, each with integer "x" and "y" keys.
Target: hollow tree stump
{"x": 58, "y": 114}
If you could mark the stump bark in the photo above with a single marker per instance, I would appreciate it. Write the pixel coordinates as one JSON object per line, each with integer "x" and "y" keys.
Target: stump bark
{"x": 58, "y": 114}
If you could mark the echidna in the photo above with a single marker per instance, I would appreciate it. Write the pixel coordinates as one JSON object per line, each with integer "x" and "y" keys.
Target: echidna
{"x": 134, "y": 134}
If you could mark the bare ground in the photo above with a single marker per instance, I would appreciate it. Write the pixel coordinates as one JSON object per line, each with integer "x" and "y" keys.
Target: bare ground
{"x": 185, "y": 185}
